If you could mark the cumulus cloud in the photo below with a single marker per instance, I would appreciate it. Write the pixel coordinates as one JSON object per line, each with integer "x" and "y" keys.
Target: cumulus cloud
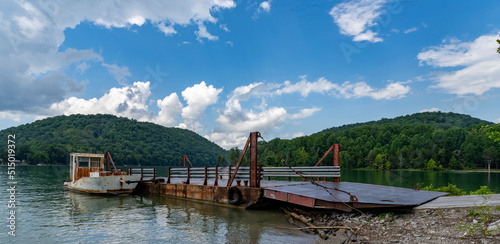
{"x": 356, "y": 16}
{"x": 132, "y": 101}
{"x": 129, "y": 101}
{"x": 235, "y": 121}
{"x": 475, "y": 65}
{"x": 170, "y": 109}
{"x": 33, "y": 64}
{"x": 198, "y": 98}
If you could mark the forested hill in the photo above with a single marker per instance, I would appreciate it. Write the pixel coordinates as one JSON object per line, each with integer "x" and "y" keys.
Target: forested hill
{"x": 129, "y": 142}
{"x": 431, "y": 141}
{"x": 441, "y": 120}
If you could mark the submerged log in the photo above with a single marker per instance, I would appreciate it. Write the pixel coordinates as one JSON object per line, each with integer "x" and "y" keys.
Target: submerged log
{"x": 306, "y": 221}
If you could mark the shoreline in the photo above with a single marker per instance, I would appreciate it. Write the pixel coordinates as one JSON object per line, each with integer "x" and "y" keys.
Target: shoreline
{"x": 447, "y": 225}
{"x": 444, "y": 220}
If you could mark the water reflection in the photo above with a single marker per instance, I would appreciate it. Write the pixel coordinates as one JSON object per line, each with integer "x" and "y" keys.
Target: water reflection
{"x": 48, "y": 214}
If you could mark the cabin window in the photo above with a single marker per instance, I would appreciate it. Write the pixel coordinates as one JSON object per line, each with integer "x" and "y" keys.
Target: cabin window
{"x": 83, "y": 162}
{"x": 95, "y": 162}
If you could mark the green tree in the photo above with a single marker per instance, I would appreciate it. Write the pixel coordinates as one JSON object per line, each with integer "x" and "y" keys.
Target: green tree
{"x": 234, "y": 155}
{"x": 490, "y": 154}
{"x": 493, "y": 131}
{"x": 455, "y": 163}
{"x": 498, "y": 41}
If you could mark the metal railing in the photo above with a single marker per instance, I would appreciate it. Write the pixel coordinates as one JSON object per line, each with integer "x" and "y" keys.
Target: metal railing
{"x": 206, "y": 173}
{"x": 309, "y": 172}
{"x": 146, "y": 173}
{"x": 243, "y": 173}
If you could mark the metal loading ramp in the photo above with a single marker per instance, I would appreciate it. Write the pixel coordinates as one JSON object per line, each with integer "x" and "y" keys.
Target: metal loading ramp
{"x": 348, "y": 195}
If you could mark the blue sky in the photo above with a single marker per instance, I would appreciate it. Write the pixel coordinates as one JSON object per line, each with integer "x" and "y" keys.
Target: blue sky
{"x": 225, "y": 68}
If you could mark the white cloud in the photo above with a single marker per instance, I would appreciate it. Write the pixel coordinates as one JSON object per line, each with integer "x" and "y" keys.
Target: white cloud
{"x": 476, "y": 64}
{"x": 393, "y": 90}
{"x": 170, "y": 109}
{"x": 203, "y": 33}
{"x": 304, "y": 113}
{"x": 137, "y": 20}
{"x": 411, "y": 30}
{"x": 430, "y": 110}
{"x": 168, "y": 30}
{"x": 228, "y": 140}
{"x": 293, "y": 135}
{"x": 120, "y": 73}
{"x": 305, "y": 87}
{"x": 198, "y": 98}
{"x": 356, "y": 16}
{"x": 14, "y": 116}
{"x": 132, "y": 101}
{"x": 235, "y": 121}
{"x": 129, "y": 101}
{"x": 32, "y": 32}
{"x": 265, "y": 6}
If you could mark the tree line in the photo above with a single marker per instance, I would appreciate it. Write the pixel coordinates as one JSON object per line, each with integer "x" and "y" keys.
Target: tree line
{"x": 130, "y": 142}
{"x": 427, "y": 141}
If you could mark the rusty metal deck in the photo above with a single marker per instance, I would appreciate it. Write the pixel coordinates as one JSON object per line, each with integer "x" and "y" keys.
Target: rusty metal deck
{"x": 368, "y": 195}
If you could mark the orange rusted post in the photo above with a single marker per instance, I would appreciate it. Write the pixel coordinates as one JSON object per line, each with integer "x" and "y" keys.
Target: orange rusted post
{"x": 253, "y": 159}
{"x": 336, "y": 148}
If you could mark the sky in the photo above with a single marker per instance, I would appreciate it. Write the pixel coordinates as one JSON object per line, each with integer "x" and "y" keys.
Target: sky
{"x": 225, "y": 68}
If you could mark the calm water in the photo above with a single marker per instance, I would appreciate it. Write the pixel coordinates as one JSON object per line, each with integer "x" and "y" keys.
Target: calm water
{"x": 46, "y": 213}
{"x": 468, "y": 181}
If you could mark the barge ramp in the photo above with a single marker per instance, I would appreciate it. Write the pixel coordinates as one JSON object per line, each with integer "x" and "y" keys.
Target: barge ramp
{"x": 317, "y": 187}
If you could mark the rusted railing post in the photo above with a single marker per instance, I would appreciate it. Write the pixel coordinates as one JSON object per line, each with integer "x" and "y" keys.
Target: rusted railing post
{"x": 206, "y": 176}
{"x": 188, "y": 179}
{"x": 336, "y": 148}
{"x": 216, "y": 176}
{"x": 169, "y": 173}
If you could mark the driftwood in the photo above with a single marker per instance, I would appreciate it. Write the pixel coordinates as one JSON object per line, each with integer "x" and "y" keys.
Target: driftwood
{"x": 306, "y": 221}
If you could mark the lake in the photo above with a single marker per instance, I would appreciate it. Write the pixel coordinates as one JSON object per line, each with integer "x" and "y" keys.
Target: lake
{"x": 46, "y": 213}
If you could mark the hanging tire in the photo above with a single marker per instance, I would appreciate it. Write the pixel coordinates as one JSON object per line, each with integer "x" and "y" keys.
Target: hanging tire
{"x": 234, "y": 195}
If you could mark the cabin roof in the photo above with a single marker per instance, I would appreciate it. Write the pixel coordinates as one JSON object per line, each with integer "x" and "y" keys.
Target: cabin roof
{"x": 90, "y": 155}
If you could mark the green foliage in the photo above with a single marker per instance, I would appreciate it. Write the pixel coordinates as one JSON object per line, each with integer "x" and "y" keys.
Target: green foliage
{"x": 452, "y": 141}
{"x": 452, "y": 189}
{"x": 498, "y": 41}
{"x": 129, "y": 142}
{"x": 493, "y": 132}
{"x": 432, "y": 165}
{"x": 479, "y": 227}
{"x": 484, "y": 190}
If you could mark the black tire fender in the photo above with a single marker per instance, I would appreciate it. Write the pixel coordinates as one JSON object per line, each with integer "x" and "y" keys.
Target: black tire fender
{"x": 234, "y": 195}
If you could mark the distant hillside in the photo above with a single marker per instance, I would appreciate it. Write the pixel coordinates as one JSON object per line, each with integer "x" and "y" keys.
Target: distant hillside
{"x": 431, "y": 141}
{"x": 442, "y": 120}
{"x": 129, "y": 142}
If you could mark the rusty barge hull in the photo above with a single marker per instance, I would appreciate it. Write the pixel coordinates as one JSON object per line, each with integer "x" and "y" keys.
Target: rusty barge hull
{"x": 298, "y": 193}
{"x": 250, "y": 197}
